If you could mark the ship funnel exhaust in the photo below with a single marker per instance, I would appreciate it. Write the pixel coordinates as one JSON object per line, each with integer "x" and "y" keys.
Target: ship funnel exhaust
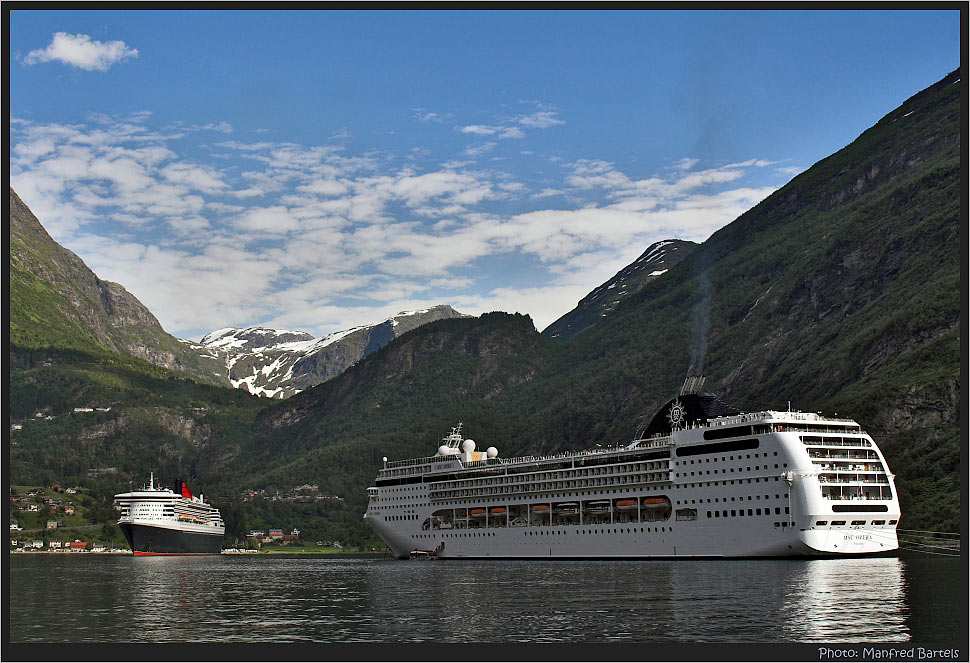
{"x": 692, "y": 385}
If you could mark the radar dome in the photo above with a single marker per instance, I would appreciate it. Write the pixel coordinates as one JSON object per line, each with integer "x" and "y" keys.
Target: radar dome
{"x": 468, "y": 445}
{"x": 491, "y": 452}
{"x": 443, "y": 450}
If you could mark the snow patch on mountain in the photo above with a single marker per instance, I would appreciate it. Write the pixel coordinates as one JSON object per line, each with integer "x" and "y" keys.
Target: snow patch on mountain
{"x": 279, "y": 363}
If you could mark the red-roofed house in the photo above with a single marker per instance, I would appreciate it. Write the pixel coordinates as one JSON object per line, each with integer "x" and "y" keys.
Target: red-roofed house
{"x": 78, "y": 546}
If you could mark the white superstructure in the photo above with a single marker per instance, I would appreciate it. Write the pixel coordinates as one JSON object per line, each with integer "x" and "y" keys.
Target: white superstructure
{"x": 756, "y": 484}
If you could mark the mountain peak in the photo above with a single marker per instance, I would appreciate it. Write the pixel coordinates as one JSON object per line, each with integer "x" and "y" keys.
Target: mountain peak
{"x": 279, "y": 363}
{"x": 654, "y": 262}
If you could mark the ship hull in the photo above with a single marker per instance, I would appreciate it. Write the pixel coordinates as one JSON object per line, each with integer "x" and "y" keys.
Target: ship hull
{"x": 150, "y": 540}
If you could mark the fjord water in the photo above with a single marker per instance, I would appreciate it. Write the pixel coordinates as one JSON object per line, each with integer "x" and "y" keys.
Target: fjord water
{"x": 107, "y": 598}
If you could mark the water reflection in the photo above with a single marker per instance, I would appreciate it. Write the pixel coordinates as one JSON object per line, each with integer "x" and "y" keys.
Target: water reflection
{"x": 186, "y": 599}
{"x": 846, "y": 600}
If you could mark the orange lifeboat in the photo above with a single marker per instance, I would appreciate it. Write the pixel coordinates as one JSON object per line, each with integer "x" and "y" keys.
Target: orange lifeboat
{"x": 626, "y": 505}
{"x": 656, "y": 501}
{"x": 478, "y": 512}
{"x": 540, "y": 508}
{"x": 498, "y": 510}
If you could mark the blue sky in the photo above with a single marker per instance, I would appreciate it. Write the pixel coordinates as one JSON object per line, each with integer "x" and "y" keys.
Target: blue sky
{"x": 321, "y": 170}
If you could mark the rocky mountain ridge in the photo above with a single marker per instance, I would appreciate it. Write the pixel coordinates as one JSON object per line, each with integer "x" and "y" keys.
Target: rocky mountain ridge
{"x": 652, "y": 263}
{"x": 279, "y": 363}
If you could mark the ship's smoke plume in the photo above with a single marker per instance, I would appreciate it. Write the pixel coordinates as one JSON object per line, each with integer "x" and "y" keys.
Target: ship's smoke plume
{"x": 700, "y": 324}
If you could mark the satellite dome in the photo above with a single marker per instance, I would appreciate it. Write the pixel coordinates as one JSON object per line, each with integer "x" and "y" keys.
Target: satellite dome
{"x": 443, "y": 450}
{"x": 491, "y": 452}
{"x": 468, "y": 445}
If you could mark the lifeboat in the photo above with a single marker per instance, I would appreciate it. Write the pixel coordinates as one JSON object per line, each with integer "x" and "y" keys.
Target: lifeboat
{"x": 656, "y": 502}
{"x": 478, "y": 512}
{"x": 567, "y": 508}
{"x": 626, "y": 505}
{"x": 498, "y": 510}
{"x": 540, "y": 508}
{"x": 599, "y": 507}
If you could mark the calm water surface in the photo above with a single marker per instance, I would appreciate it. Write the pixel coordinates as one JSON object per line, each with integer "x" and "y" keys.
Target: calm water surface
{"x": 106, "y": 598}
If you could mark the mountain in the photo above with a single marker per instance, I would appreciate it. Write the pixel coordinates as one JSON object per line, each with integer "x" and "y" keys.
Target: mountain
{"x": 277, "y": 363}
{"x": 57, "y": 301}
{"x": 840, "y": 292}
{"x": 653, "y": 263}
{"x": 395, "y": 401}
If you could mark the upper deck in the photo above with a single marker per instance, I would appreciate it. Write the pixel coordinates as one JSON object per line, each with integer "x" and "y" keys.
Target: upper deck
{"x": 747, "y": 424}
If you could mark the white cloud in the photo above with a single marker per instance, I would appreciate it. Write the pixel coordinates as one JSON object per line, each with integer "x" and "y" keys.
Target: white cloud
{"x": 540, "y": 120}
{"x": 316, "y": 238}
{"x": 423, "y": 115}
{"x": 273, "y": 220}
{"x": 479, "y": 149}
{"x": 82, "y": 52}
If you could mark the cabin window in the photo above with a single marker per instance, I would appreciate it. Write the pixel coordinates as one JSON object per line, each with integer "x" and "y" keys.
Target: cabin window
{"x": 821, "y": 523}
{"x": 836, "y": 523}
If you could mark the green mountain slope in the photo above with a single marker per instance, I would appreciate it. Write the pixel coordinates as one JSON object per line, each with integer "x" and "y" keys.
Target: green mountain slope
{"x": 840, "y": 292}
{"x": 397, "y": 402}
{"x": 56, "y": 301}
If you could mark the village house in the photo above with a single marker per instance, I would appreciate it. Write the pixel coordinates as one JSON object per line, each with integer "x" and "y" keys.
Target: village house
{"x": 78, "y": 546}
{"x": 36, "y": 544}
{"x": 69, "y": 510}
{"x": 54, "y": 544}
{"x": 275, "y": 533}
{"x": 288, "y": 539}
{"x": 51, "y": 524}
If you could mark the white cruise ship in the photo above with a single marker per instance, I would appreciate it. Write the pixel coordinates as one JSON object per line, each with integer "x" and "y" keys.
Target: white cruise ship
{"x": 163, "y": 521}
{"x": 702, "y": 480}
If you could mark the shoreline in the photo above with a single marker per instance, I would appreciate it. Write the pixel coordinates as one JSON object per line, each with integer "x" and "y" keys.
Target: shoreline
{"x": 247, "y": 553}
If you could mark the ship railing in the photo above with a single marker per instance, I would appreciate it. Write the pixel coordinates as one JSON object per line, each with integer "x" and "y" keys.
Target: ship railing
{"x": 854, "y": 482}
{"x": 835, "y": 443}
{"x": 409, "y": 462}
{"x": 649, "y": 443}
{"x": 485, "y": 462}
{"x": 797, "y": 416}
